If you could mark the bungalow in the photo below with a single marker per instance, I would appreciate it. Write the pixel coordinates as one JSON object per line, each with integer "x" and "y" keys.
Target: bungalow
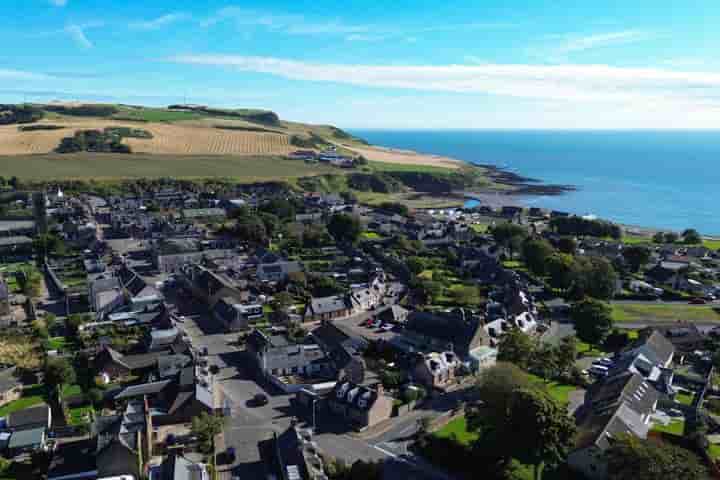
{"x": 27, "y": 441}
{"x": 360, "y": 406}
{"x": 328, "y": 308}
{"x": 30, "y": 418}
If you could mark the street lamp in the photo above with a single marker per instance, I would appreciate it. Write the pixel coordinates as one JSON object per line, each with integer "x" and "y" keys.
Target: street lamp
{"x": 314, "y": 401}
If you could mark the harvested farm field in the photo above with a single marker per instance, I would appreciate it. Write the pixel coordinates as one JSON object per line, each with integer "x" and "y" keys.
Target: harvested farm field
{"x": 168, "y": 139}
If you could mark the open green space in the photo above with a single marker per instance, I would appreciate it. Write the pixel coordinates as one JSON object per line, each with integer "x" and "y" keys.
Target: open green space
{"x": 457, "y": 428}
{"x": 663, "y": 312}
{"x": 684, "y": 398}
{"x": 80, "y": 415}
{"x": 108, "y": 166}
{"x": 675, "y": 427}
{"x": 33, "y": 395}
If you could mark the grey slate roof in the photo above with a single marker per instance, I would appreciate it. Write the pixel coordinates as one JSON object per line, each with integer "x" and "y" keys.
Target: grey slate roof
{"x": 29, "y": 416}
{"x": 26, "y": 438}
{"x": 323, "y": 305}
{"x": 143, "y": 389}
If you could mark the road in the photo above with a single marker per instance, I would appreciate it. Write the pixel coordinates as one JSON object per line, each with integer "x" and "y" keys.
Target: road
{"x": 250, "y": 427}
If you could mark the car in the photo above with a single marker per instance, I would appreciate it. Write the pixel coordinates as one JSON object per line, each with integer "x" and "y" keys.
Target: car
{"x": 387, "y": 327}
{"x": 376, "y": 324}
{"x": 605, "y": 362}
{"x": 697, "y": 301}
{"x": 598, "y": 370}
{"x": 259, "y": 400}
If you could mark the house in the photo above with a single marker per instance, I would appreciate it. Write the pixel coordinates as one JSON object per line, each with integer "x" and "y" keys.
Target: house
{"x": 395, "y": 314}
{"x": 343, "y": 349}
{"x": 276, "y": 356}
{"x": 439, "y": 332}
{"x": 178, "y": 467}
{"x": 162, "y": 339}
{"x": 297, "y": 456}
{"x": 203, "y": 214}
{"x": 655, "y": 347}
{"x": 236, "y": 316}
{"x": 615, "y": 406}
{"x": 27, "y": 441}
{"x": 436, "y": 370}
{"x": 121, "y": 441}
{"x": 134, "y": 284}
{"x": 209, "y": 287}
{"x": 4, "y": 298}
{"x": 10, "y": 386}
{"x": 327, "y": 308}
{"x": 74, "y": 461}
{"x": 278, "y": 271}
{"x": 112, "y": 364}
{"x": 105, "y": 294}
{"x": 30, "y": 418}
{"x": 685, "y": 337}
{"x": 16, "y": 245}
{"x": 361, "y": 407}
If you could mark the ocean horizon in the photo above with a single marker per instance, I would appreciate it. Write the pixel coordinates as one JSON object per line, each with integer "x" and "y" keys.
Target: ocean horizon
{"x": 664, "y": 179}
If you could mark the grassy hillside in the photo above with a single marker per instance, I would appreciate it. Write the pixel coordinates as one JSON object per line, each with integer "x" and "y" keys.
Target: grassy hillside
{"x": 87, "y": 166}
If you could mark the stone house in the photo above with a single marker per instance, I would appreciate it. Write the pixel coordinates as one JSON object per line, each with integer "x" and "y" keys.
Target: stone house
{"x": 436, "y": 370}
{"x": 361, "y": 407}
{"x": 328, "y": 308}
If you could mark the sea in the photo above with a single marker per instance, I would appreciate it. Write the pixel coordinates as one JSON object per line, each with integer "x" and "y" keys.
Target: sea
{"x": 657, "y": 179}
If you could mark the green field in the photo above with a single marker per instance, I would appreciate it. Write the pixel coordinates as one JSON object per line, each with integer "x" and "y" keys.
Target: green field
{"x": 156, "y": 115}
{"x": 401, "y": 167}
{"x": 31, "y": 396}
{"x": 663, "y": 312}
{"x": 108, "y": 166}
{"x": 675, "y": 427}
{"x": 457, "y": 428}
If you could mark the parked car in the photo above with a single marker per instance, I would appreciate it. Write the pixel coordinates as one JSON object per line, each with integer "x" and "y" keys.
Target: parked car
{"x": 605, "y": 362}
{"x": 598, "y": 370}
{"x": 387, "y": 327}
{"x": 259, "y": 400}
{"x": 697, "y": 301}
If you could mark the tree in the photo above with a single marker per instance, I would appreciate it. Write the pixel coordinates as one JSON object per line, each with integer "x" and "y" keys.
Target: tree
{"x": 636, "y": 256}
{"x": 566, "y": 354}
{"x": 542, "y": 431}
{"x": 465, "y": 295}
{"x": 593, "y": 277}
{"x": 58, "y": 372}
{"x": 344, "y": 228}
{"x": 630, "y": 457}
{"x": 509, "y": 235}
{"x": 671, "y": 237}
{"x": 251, "y": 229}
{"x": 281, "y": 301}
{"x": 206, "y": 427}
{"x": 535, "y": 252}
{"x": 691, "y": 236}
{"x": 567, "y": 245}
{"x": 544, "y": 362}
{"x": 659, "y": 237}
{"x": 593, "y": 320}
{"x": 326, "y": 286}
{"x": 74, "y": 322}
{"x": 495, "y": 385}
{"x": 516, "y": 347}
{"x": 560, "y": 270}
{"x": 279, "y": 207}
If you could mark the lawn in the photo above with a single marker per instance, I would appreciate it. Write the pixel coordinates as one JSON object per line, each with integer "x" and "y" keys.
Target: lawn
{"x": 399, "y": 167}
{"x": 684, "y": 398}
{"x": 675, "y": 427}
{"x": 156, "y": 115}
{"x": 663, "y": 312}
{"x": 584, "y": 349}
{"x": 714, "y": 451}
{"x": 57, "y": 343}
{"x": 31, "y": 396}
{"x": 370, "y": 236}
{"x": 71, "y": 390}
{"x": 80, "y": 415}
{"x": 457, "y": 428}
{"x": 108, "y": 166}
{"x": 479, "y": 227}
{"x": 559, "y": 391}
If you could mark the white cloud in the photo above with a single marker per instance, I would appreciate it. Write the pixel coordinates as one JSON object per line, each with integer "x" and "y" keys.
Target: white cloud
{"x": 161, "y": 21}
{"x": 6, "y": 74}
{"x": 639, "y": 87}
{"x": 58, "y": 3}
{"x": 77, "y": 33}
{"x": 575, "y": 43}
{"x": 293, "y": 24}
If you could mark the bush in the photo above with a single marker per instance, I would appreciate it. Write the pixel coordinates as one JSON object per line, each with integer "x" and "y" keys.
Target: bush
{"x": 92, "y": 141}
{"x": 83, "y": 110}
{"x": 10, "y": 114}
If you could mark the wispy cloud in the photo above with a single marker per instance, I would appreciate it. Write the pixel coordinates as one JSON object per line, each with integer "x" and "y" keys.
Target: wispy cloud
{"x": 557, "y": 48}
{"x": 293, "y": 24}
{"x": 77, "y": 33}
{"x": 58, "y": 3}
{"x": 19, "y": 75}
{"x": 575, "y": 43}
{"x": 644, "y": 87}
{"x": 162, "y": 21}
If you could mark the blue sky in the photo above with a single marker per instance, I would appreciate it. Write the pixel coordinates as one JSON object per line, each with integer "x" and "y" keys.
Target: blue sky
{"x": 400, "y": 64}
